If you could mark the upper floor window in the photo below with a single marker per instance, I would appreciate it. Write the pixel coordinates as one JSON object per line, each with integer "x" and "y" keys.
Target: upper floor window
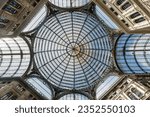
{"x": 3, "y": 20}
{"x": 137, "y": 92}
{"x": 20, "y": 88}
{"x": 141, "y": 19}
{"x": 136, "y": 14}
{"x": 125, "y": 6}
{"x": 131, "y": 96}
{"x": 6, "y": 96}
{"x": 10, "y": 9}
{"x": 14, "y": 4}
{"x": 119, "y": 2}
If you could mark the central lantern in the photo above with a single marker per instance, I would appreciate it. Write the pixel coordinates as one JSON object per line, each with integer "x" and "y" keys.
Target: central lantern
{"x": 72, "y": 50}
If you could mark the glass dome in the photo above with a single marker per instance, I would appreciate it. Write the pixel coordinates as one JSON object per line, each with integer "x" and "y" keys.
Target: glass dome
{"x": 69, "y": 3}
{"x": 72, "y": 50}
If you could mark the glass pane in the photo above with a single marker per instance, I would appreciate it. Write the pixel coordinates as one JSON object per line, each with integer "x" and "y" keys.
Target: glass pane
{"x": 132, "y": 53}
{"x": 15, "y": 59}
{"x": 101, "y": 14}
{"x": 40, "y": 86}
{"x": 108, "y": 83}
{"x": 36, "y": 20}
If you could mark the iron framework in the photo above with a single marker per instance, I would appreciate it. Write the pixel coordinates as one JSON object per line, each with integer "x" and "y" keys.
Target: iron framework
{"x": 72, "y": 50}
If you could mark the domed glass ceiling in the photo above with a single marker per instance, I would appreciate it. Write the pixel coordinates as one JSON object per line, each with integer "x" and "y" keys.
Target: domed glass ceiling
{"x": 72, "y": 50}
{"x": 69, "y": 3}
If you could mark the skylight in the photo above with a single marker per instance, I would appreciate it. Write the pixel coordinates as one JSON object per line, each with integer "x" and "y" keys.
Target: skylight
{"x": 106, "y": 85}
{"x": 14, "y": 57}
{"x": 40, "y": 86}
{"x": 36, "y": 20}
{"x": 101, "y": 14}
